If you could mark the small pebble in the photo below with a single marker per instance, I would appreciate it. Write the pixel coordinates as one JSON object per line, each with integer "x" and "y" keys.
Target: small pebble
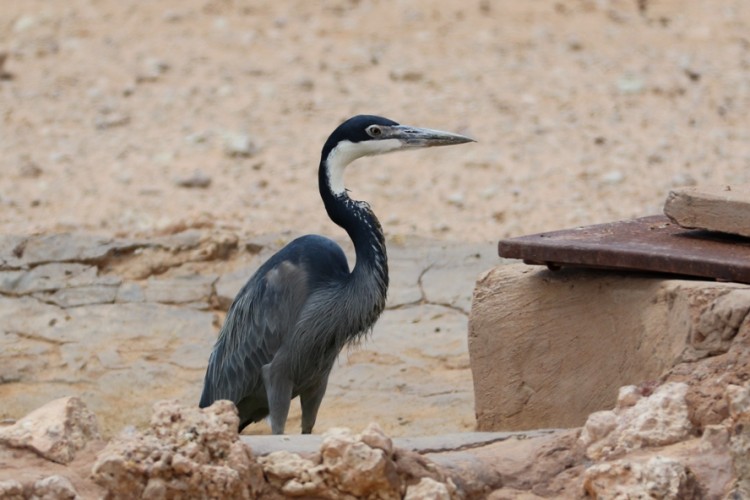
{"x": 123, "y": 177}
{"x": 172, "y": 16}
{"x": 489, "y": 192}
{"x": 197, "y": 137}
{"x": 630, "y": 85}
{"x": 198, "y": 179}
{"x": 152, "y": 69}
{"x": 237, "y": 144}
{"x": 406, "y": 75}
{"x": 4, "y": 75}
{"x": 164, "y": 158}
{"x": 305, "y": 83}
{"x": 111, "y": 120}
{"x": 23, "y": 23}
{"x": 456, "y": 199}
{"x": 28, "y": 168}
{"x": 220, "y": 24}
{"x": 613, "y": 177}
{"x": 684, "y": 179}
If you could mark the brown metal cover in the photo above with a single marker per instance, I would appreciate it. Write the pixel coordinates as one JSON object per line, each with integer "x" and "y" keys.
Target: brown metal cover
{"x": 646, "y": 244}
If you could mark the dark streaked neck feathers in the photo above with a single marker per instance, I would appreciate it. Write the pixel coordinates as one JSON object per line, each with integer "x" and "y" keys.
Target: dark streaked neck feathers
{"x": 370, "y": 274}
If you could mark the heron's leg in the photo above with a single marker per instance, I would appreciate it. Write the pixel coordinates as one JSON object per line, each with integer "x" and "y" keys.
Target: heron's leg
{"x": 310, "y": 402}
{"x": 279, "y": 391}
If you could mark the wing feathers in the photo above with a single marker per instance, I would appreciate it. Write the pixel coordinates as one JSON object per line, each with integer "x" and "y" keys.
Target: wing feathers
{"x": 262, "y": 316}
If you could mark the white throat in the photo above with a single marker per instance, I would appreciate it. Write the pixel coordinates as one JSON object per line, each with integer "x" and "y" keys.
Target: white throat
{"x": 346, "y": 152}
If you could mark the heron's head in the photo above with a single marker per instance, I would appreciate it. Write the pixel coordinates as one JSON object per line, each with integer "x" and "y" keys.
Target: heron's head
{"x": 368, "y": 135}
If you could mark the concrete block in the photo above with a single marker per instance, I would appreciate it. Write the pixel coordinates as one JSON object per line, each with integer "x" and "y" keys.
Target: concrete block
{"x": 548, "y": 348}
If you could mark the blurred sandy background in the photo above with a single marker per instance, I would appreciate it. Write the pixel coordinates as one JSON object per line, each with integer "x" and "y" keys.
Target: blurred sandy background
{"x": 585, "y": 111}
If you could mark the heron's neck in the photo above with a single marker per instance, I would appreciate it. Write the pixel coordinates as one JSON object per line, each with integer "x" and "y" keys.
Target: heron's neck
{"x": 360, "y": 223}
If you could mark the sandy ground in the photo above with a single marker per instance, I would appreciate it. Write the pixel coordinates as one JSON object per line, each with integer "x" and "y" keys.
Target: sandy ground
{"x": 585, "y": 111}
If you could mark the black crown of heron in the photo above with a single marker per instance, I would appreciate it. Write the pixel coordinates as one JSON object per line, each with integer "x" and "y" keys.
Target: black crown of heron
{"x": 288, "y": 324}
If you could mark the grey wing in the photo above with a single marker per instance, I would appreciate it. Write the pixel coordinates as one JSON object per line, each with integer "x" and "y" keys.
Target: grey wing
{"x": 258, "y": 323}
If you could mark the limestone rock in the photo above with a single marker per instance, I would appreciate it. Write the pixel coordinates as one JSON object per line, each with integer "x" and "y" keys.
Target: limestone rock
{"x": 720, "y": 322}
{"x": 513, "y": 494}
{"x": 292, "y": 474}
{"x": 180, "y": 290}
{"x": 130, "y": 292}
{"x": 352, "y": 465}
{"x": 347, "y": 465}
{"x": 11, "y": 250}
{"x": 656, "y": 420}
{"x": 64, "y": 284}
{"x": 47, "y": 277}
{"x": 55, "y": 431}
{"x": 427, "y": 488}
{"x": 11, "y": 490}
{"x": 80, "y": 296}
{"x": 69, "y": 247}
{"x": 739, "y": 414}
{"x": 187, "y": 452}
{"x": 160, "y": 254}
{"x": 715, "y": 208}
{"x": 708, "y": 380}
{"x": 356, "y": 468}
{"x": 656, "y": 477}
{"x": 374, "y": 437}
{"x": 54, "y": 488}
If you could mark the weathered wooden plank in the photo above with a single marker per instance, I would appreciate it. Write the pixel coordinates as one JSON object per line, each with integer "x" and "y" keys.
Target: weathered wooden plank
{"x": 719, "y": 208}
{"x": 647, "y": 244}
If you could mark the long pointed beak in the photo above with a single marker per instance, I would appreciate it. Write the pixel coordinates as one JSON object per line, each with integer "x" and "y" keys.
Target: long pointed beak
{"x": 414, "y": 137}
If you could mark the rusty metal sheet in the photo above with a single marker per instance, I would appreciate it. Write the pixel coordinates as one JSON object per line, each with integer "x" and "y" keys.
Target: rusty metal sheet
{"x": 646, "y": 244}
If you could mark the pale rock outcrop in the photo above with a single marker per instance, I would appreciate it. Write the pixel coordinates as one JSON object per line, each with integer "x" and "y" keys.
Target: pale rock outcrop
{"x": 655, "y": 477}
{"x": 358, "y": 468}
{"x": 11, "y": 490}
{"x": 718, "y": 324}
{"x": 292, "y": 474}
{"x": 427, "y": 488}
{"x": 638, "y": 421}
{"x": 512, "y": 494}
{"x": 56, "y": 431}
{"x": 738, "y": 398}
{"x": 352, "y": 465}
{"x": 54, "y": 488}
{"x": 188, "y": 452}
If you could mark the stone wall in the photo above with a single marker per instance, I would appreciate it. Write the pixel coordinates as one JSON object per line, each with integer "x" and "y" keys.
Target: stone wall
{"x": 550, "y": 347}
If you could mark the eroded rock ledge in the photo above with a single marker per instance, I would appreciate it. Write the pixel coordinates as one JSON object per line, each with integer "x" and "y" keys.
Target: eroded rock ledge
{"x": 131, "y": 321}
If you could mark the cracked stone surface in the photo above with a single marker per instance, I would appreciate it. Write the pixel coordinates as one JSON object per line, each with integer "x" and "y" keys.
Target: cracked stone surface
{"x": 125, "y": 323}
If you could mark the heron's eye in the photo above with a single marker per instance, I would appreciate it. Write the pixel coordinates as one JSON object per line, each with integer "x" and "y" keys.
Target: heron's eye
{"x": 374, "y": 131}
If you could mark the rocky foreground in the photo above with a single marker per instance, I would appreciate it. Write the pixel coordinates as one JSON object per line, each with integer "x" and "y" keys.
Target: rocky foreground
{"x": 644, "y": 448}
